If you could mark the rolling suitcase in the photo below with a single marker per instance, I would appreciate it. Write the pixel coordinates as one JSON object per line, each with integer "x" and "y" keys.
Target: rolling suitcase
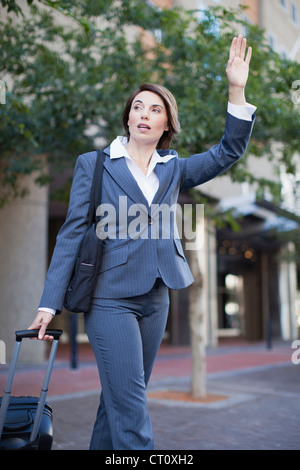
{"x": 26, "y": 422}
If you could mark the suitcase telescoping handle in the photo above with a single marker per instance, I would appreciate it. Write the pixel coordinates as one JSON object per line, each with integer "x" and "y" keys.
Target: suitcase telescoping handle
{"x": 34, "y": 334}
{"x": 6, "y": 396}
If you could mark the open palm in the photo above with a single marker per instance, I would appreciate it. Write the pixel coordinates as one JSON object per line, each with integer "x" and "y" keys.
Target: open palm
{"x": 238, "y": 66}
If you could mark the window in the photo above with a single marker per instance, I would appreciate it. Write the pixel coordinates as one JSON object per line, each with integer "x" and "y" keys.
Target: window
{"x": 201, "y": 7}
{"x": 158, "y": 35}
{"x": 202, "y": 17}
{"x": 294, "y": 14}
{"x": 245, "y": 28}
{"x": 283, "y": 3}
{"x": 272, "y": 41}
{"x": 290, "y": 184}
{"x": 283, "y": 52}
{"x": 230, "y": 303}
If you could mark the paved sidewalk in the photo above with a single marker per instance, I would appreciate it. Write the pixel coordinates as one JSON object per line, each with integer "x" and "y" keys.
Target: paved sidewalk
{"x": 253, "y": 399}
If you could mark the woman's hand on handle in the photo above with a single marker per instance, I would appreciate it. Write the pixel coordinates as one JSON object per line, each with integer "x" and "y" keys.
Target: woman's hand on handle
{"x": 41, "y": 323}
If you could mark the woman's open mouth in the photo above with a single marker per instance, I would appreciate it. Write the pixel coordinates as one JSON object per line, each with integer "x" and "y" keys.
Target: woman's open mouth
{"x": 143, "y": 127}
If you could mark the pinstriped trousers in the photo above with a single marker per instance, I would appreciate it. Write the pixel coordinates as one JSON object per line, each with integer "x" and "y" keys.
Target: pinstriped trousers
{"x": 125, "y": 335}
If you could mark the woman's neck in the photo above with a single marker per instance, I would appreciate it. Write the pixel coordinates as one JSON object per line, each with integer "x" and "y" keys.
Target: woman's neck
{"x": 140, "y": 153}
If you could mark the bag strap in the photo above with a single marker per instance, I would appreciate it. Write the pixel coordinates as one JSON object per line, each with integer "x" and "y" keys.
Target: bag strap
{"x": 96, "y": 190}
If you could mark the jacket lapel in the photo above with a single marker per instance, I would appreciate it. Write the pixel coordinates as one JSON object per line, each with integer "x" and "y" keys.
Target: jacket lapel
{"x": 118, "y": 170}
{"x": 164, "y": 172}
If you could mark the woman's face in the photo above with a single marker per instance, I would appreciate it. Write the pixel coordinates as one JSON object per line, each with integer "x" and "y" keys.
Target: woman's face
{"x": 147, "y": 118}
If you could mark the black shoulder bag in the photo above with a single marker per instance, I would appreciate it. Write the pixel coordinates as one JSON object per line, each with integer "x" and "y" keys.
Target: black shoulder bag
{"x": 80, "y": 289}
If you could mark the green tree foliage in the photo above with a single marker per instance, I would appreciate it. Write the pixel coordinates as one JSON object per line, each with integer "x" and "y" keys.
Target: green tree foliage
{"x": 68, "y": 82}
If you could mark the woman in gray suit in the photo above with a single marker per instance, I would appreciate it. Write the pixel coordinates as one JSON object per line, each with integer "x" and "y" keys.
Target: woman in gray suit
{"x": 128, "y": 315}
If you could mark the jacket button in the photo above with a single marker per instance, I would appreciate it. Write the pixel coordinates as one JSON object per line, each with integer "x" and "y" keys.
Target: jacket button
{"x": 150, "y": 220}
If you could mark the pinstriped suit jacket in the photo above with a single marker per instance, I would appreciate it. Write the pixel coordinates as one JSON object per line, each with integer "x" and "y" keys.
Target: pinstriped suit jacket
{"x": 130, "y": 264}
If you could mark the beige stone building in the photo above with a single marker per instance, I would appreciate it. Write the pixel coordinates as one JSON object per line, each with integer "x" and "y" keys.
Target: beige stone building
{"x": 279, "y": 18}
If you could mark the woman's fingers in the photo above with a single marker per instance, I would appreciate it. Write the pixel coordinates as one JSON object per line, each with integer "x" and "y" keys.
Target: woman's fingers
{"x": 232, "y": 52}
{"x": 248, "y": 56}
{"x": 243, "y": 48}
{"x": 238, "y": 49}
{"x": 41, "y": 323}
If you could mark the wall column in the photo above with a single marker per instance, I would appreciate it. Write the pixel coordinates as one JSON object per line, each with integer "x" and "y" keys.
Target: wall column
{"x": 288, "y": 292}
{"x": 23, "y": 255}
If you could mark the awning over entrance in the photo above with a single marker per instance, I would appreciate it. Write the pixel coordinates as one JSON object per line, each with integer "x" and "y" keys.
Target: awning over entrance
{"x": 266, "y": 214}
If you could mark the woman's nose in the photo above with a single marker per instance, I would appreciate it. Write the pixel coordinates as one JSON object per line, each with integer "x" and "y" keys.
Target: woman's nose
{"x": 145, "y": 114}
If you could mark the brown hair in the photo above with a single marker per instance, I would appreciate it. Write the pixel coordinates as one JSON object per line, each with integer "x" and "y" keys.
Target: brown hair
{"x": 171, "y": 109}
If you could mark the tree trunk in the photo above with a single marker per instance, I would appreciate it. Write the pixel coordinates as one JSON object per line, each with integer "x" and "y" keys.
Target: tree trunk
{"x": 197, "y": 330}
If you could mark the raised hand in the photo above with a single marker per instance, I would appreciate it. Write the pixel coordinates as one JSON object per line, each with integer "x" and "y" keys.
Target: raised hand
{"x": 238, "y": 69}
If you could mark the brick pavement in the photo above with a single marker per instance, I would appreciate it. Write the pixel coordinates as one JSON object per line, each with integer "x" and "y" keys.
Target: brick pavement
{"x": 260, "y": 409}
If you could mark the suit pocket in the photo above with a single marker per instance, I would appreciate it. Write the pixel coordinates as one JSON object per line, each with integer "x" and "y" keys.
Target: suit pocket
{"x": 179, "y": 248}
{"x": 114, "y": 257}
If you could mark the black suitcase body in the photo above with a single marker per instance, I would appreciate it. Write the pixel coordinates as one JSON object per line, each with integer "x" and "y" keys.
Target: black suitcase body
{"x": 26, "y": 422}
{"x": 19, "y": 422}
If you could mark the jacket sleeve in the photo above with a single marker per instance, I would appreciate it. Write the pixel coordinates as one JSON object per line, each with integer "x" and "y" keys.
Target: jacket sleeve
{"x": 202, "y": 167}
{"x": 70, "y": 235}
